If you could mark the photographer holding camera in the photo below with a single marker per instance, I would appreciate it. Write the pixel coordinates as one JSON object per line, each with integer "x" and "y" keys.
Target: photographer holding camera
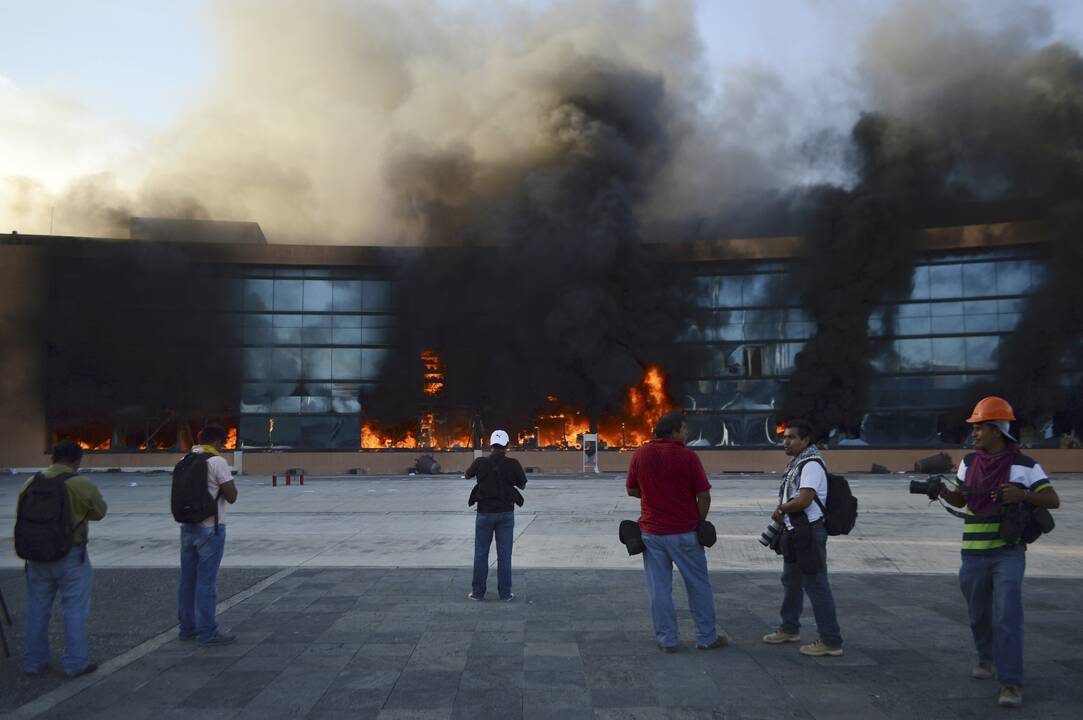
{"x": 997, "y": 484}
{"x": 803, "y": 545}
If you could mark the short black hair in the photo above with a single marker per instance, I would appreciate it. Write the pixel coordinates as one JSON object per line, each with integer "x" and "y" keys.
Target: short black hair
{"x": 803, "y": 428}
{"x": 668, "y": 424}
{"x": 211, "y": 434}
{"x": 67, "y": 451}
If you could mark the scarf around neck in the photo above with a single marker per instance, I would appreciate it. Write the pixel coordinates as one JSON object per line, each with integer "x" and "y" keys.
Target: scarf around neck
{"x": 988, "y": 472}
{"x": 791, "y": 478}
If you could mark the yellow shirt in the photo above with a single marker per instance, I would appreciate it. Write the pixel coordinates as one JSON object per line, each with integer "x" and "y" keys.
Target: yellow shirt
{"x": 84, "y": 498}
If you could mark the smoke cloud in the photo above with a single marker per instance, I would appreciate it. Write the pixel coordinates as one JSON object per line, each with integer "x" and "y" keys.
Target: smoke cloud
{"x": 964, "y": 114}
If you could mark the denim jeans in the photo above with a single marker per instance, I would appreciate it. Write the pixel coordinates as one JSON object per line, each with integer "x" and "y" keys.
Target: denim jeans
{"x": 501, "y": 524}
{"x": 200, "y": 557}
{"x": 73, "y": 577}
{"x": 797, "y": 584}
{"x": 662, "y": 552}
{"x": 993, "y": 587}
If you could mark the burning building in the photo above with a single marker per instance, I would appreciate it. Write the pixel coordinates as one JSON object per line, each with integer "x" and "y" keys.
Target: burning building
{"x": 129, "y": 347}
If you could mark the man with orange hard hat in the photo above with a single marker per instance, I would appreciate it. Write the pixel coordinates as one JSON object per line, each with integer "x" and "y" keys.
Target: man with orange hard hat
{"x": 991, "y": 574}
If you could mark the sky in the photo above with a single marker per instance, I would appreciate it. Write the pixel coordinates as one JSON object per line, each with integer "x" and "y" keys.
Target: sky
{"x": 100, "y": 78}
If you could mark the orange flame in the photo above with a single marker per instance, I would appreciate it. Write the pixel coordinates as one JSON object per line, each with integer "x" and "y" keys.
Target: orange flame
{"x": 88, "y": 446}
{"x": 231, "y": 439}
{"x": 433, "y": 375}
{"x": 560, "y": 425}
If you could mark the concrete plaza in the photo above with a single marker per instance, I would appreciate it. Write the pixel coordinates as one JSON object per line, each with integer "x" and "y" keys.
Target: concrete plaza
{"x": 348, "y": 596}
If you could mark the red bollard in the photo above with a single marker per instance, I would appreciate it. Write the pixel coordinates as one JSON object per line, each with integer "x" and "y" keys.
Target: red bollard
{"x": 274, "y": 481}
{"x": 289, "y": 478}
{"x": 302, "y": 478}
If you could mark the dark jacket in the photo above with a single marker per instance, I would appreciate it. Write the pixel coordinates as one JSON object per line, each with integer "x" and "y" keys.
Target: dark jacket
{"x": 498, "y": 477}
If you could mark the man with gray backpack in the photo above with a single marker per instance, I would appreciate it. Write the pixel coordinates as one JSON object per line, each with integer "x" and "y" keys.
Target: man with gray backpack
{"x": 53, "y": 509}
{"x": 202, "y": 485}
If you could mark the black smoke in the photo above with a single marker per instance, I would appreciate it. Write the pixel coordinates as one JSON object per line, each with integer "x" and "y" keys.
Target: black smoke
{"x": 859, "y": 250}
{"x": 543, "y": 286}
{"x": 1007, "y": 134}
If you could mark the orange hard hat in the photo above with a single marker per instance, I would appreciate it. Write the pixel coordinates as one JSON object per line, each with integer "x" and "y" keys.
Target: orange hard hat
{"x": 991, "y": 408}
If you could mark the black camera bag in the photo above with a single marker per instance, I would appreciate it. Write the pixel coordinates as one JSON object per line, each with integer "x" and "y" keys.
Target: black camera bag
{"x": 706, "y": 534}
{"x": 799, "y": 545}
{"x": 631, "y": 537}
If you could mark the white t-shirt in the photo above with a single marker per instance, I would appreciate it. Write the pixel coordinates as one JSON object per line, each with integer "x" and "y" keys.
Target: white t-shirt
{"x": 218, "y": 472}
{"x": 812, "y": 476}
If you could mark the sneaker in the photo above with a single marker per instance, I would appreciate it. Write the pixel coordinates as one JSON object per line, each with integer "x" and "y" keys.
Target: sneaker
{"x": 982, "y": 671}
{"x": 219, "y": 639}
{"x": 186, "y": 638}
{"x": 719, "y": 642}
{"x": 668, "y": 649}
{"x": 41, "y": 671}
{"x": 509, "y": 598}
{"x": 1010, "y": 697}
{"x": 479, "y": 598}
{"x": 780, "y": 636}
{"x": 820, "y": 649}
{"x": 91, "y": 667}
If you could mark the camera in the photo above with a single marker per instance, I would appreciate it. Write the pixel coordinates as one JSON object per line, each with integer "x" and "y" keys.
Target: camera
{"x": 770, "y": 536}
{"x": 930, "y": 487}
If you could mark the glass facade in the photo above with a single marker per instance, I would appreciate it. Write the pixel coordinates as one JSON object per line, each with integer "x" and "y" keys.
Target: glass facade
{"x": 939, "y": 339}
{"x": 312, "y": 340}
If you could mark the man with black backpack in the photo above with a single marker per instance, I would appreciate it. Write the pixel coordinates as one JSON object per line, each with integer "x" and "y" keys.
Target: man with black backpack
{"x": 53, "y": 509}
{"x": 803, "y": 498}
{"x": 202, "y": 485}
{"x": 496, "y": 493}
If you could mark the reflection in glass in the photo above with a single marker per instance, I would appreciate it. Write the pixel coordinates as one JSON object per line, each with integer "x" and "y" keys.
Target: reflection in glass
{"x": 288, "y": 294}
{"x": 317, "y": 295}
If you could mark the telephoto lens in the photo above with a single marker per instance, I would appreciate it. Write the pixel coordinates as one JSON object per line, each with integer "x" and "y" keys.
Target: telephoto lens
{"x": 768, "y": 537}
{"x": 929, "y": 488}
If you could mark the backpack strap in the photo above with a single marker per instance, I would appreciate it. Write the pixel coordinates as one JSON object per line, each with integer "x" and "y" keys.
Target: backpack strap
{"x": 816, "y": 496}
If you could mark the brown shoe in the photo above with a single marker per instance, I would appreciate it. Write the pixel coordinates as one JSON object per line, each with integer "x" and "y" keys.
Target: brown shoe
{"x": 719, "y": 642}
{"x": 1010, "y": 697}
{"x": 780, "y": 636}
{"x": 820, "y": 649}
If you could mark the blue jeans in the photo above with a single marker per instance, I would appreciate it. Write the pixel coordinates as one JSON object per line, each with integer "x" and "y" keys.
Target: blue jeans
{"x": 501, "y": 524}
{"x": 72, "y": 576}
{"x": 993, "y": 587}
{"x": 200, "y": 557}
{"x": 683, "y": 550}
{"x": 797, "y": 584}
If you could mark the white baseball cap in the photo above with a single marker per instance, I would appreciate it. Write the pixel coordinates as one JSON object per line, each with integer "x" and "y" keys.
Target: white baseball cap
{"x": 499, "y": 437}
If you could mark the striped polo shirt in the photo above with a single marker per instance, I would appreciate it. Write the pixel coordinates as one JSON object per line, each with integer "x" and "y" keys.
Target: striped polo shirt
{"x": 981, "y": 534}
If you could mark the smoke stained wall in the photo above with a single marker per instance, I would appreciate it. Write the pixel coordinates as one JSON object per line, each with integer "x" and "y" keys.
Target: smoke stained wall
{"x": 137, "y": 330}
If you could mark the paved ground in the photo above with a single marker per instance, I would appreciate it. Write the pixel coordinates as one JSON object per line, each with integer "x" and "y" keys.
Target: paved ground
{"x": 399, "y": 639}
{"x": 566, "y": 522}
{"x": 384, "y": 643}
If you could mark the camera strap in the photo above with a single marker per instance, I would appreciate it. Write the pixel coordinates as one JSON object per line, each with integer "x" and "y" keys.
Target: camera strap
{"x": 951, "y": 510}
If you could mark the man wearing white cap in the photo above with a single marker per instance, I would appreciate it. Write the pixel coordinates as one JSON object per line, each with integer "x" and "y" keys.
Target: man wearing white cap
{"x": 496, "y": 495}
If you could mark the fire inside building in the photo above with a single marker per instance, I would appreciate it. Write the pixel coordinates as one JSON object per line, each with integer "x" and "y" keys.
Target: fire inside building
{"x": 320, "y": 356}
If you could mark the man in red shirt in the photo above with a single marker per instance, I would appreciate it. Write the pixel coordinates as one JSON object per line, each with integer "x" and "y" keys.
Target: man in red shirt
{"x": 674, "y": 497}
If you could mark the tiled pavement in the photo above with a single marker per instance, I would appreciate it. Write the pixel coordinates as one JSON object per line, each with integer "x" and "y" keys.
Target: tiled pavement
{"x": 407, "y": 643}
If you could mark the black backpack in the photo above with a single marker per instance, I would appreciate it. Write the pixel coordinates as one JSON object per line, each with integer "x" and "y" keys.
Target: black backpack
{"x": 493, "y": 485}
{"x": 43, "y": 525}
{"x": 190, "y": 500}
{"x": 840, "y": 515}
